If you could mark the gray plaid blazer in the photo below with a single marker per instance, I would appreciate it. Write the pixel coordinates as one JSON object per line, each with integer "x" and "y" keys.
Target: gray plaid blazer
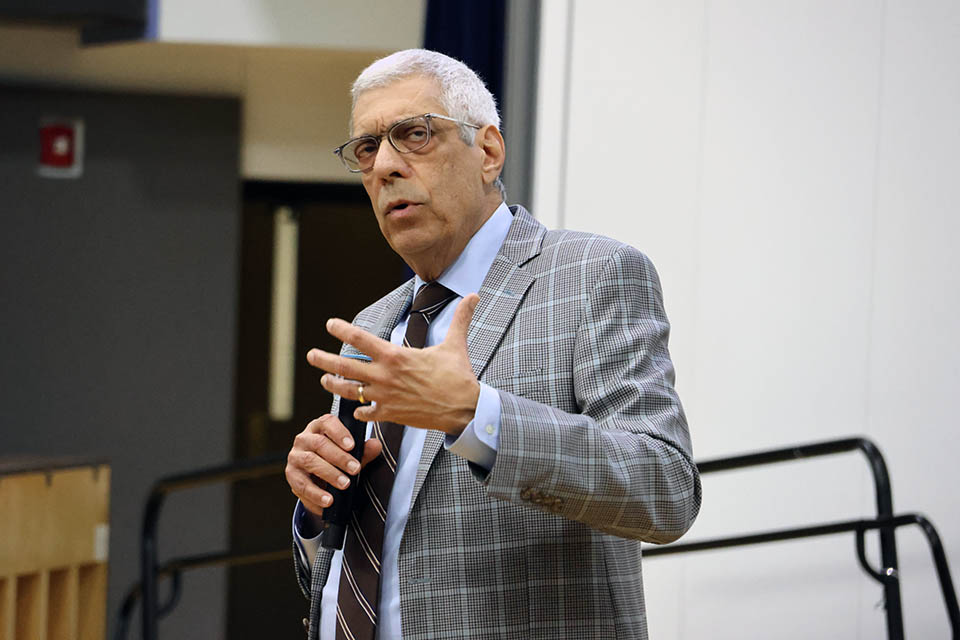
{"x": 594, "y": 452}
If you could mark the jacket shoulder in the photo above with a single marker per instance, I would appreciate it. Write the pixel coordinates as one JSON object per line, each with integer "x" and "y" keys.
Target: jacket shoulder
{"x": 591, "y": 251}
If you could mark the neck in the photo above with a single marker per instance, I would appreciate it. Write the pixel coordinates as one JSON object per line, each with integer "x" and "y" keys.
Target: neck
{"x": 430, "y": 272}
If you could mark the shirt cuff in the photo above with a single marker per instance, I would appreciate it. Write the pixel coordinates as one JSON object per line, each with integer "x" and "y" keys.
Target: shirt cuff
{"x": 305, "y": 522}
{"x": 481, "y": 438}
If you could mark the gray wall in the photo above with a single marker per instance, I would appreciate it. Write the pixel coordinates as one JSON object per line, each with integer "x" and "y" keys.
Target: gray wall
{"x": 117, "y": 312}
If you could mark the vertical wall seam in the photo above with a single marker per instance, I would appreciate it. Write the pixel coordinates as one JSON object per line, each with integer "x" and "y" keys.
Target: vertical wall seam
{"x": 875, "y": 211}
{"x": 700, "y": 169}
{"x": 519, "y": 108}
{"x": 565, "y": 134}
{"x": 698, "y": 254}
{"x": 872, "y": 270}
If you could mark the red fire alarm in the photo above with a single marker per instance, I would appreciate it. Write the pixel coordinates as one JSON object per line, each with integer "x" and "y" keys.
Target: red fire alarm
{"x": 61, "y": 148}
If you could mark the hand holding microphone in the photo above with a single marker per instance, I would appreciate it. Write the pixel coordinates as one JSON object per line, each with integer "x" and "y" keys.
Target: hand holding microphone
{"x": 322, "y": 467}
{"x": 337, "y": 515}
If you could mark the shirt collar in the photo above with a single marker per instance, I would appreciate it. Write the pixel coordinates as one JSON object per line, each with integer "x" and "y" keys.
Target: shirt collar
{"x": 467, "y": 272}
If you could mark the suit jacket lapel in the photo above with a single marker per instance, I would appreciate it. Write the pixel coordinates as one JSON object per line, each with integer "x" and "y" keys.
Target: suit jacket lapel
{"x": 398, "y": 303}
{"x": 392, "y": 307}
{"x": 503, "y": 289}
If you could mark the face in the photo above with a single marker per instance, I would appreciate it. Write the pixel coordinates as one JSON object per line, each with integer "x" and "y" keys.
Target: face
{"x": 430, "y": 202}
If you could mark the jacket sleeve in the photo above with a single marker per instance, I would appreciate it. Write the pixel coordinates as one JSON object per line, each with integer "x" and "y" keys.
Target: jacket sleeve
{"x": 302, "y": 572}
{"x": 622, "y": 463}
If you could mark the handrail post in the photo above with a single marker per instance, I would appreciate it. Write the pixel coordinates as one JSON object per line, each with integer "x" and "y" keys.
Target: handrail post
{"x": 888, "y": 543}
{"x": 148, "y": 566}
{"x": 149, "y": 571}
{"x": 943, "y": 573}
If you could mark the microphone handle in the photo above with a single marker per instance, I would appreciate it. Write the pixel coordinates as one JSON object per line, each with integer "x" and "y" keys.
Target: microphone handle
{"x": 337, "y": 515}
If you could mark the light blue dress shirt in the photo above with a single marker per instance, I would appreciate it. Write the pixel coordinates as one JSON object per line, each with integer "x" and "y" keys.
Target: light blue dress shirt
{"x": 478, "y": 442}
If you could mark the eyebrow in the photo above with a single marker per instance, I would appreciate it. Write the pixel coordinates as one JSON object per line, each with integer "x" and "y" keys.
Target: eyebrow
{"x": 383, "y": 132}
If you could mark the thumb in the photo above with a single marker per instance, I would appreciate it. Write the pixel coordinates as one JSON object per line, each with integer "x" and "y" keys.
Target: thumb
{"x": 457, "y": 333}
{"x": 371, "y": 449}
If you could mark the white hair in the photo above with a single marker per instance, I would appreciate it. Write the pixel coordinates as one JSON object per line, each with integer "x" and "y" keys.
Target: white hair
{"x": 463, "y": 94}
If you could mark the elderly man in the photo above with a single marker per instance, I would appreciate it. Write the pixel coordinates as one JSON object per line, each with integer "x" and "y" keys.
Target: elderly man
{"x": 528, "y": 440}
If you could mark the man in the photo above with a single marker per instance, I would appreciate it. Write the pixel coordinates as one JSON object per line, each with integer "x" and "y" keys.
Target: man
{"x": 542, "y": 436}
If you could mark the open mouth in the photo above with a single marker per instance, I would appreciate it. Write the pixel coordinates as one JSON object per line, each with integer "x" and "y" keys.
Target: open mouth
{"x": 400, "y": 207}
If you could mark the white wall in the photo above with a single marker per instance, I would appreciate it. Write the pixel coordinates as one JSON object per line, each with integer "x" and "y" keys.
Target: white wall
{"x": 357, "y": 25}
{"x": 792, "y": 169}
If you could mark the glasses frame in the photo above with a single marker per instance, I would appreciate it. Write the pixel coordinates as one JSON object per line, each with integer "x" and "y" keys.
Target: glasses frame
{"x": 389, "y": 136}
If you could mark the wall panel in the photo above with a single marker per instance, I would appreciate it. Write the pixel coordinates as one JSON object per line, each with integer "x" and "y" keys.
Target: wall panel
{"x": 119, "y": 293}
{"x": 914, "y": 374}
{"x": 791, "y": 169}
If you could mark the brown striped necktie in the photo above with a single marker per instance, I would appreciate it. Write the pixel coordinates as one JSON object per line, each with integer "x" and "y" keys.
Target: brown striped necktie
{"x": 360, "y": 574}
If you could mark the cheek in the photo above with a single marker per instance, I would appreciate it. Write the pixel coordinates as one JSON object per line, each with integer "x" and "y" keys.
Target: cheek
{"x": 453, "y": 181}
{"x": 370, "y": 186}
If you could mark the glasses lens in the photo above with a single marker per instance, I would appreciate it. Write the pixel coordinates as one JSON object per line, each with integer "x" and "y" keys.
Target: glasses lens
{"x": 410, "y": 135}
{"x": 359, "y": 154}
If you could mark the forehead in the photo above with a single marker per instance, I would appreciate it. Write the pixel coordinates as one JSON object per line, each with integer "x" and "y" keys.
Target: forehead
{"x": 377, "y": 109}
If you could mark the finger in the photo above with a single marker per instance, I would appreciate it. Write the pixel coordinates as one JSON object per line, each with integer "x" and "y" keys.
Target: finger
{"x": 457, "y": 334}
{"x": 321, "y": 468}
{"x": 331, "y": 362}
{"x": 344, "y": 388}
{"x": 347, "y": 368}
{"x": 364, "y": 341}
{"x": 372, "y": 448}
{"x": 368, "y": 412}
{"x": 313, "y": 497}
{"x": 330, "y": 426}
{"x": 320, "y": 446}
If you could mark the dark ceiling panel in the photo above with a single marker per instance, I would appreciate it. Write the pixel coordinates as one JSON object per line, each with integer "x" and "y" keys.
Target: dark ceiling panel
{"x": 102, "y": 20}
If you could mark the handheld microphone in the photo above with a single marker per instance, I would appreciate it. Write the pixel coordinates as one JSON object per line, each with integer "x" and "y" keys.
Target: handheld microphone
{"x": 337, "y": 515}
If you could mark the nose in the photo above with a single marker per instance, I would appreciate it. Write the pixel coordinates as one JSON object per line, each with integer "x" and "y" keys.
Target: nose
{"x": 389, "y": 163}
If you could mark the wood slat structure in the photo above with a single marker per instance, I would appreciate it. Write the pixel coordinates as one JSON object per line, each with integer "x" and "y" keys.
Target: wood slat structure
{"x": 54, "y": 535}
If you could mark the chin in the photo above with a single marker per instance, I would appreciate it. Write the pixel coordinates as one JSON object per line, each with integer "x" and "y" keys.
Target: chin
{"x": 415, "y": 250}
{"x": 412, "y": 251}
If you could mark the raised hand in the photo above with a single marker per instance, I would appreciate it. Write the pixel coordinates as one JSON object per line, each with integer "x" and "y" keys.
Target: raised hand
{"x": 431, "y": 388}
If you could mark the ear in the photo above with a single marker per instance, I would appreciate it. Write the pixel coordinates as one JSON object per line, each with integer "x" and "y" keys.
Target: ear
{"x": 494, "y": 152}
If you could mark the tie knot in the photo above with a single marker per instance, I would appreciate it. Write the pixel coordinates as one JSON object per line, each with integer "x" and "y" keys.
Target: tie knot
{"x": 431, "y": 298}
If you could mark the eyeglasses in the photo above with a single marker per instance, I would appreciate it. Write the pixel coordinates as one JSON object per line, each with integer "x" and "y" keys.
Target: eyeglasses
{"x": 406, "y": 136}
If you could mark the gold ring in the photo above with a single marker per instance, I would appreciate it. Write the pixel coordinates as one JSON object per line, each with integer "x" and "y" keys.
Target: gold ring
{"x": 360, "y": 394}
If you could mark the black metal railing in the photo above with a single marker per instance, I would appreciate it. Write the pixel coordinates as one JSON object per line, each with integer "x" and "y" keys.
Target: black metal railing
{"x": 885, "y": 523}
{"x": 150, "y": 572}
